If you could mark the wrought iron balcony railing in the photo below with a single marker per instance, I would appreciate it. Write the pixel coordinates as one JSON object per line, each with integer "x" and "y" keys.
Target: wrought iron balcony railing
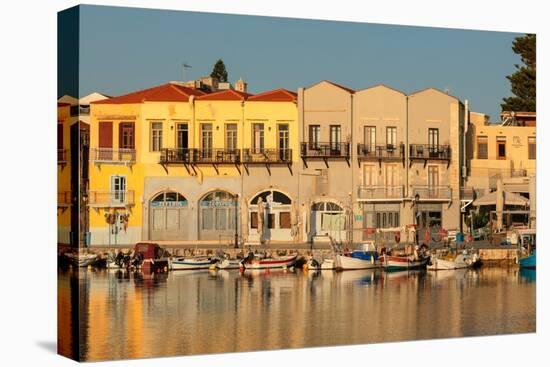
{"x": 380, "y": 192}
{"x": 434, "y": 193}
{"x": 428, "y": 151}
{"x": 112, "y": 156}
{"x": 282, "y": 156}
{"x": 111, "y": 199}
{"x": 176, "y": 156}
{"x": 64, "y": 198}
{"x": 386, "y": 151}
{"x": 216, "y": 156}
{"x": 325, "y": 150}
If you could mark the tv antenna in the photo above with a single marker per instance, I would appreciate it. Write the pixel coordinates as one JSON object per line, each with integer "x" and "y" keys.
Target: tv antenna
{"x": 184, "y": 67}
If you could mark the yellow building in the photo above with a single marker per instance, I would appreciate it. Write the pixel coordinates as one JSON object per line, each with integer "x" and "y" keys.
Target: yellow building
{"x": 172, "y": 163}
{"x": 500, "y": 151}
{"x": 64, "y": 195}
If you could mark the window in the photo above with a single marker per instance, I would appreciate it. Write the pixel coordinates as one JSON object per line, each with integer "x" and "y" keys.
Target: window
{"x": 118, "y": 188}
{"x": 231, "y": 136}
{"x": 369, "y": 175}
{"x": 284, "y": 220}
{"x": 370, "y": 138}
{"x": 156, "y": 136}
{"x": 257, "y": 138}
{"x": 271, "y": 220}
{"x": 59, "y": 136}
{"x": 335, "y": 137}
{"x": 217, "y": 211}
{"x": 206, "y": 140}
{"x": 314, "y": 136}
{"x": 532, "y": 141}
{"x": 387, "y": 219}
{"x": 391, "y": 136}
{"x": 182, "y": 136}
{"x": 482, "y": 150}
{"x": 126, "y": 135}
{"x": 169, "y": 199}
{"x": 254, "y": 220}
{"x": 501, "y": 147}
{"x": 284, "y": 152}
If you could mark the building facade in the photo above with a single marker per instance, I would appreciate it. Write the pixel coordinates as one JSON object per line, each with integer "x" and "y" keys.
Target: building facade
{"x": 328, "y": 163}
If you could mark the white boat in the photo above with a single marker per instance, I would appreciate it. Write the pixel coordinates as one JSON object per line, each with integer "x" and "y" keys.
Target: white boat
{"x": 191, "y": 263}
{"x": 397, "y": 263}
{"x": 82, "y": 260}
{"x": 366, "y": 257}
{"x": 463, "y": 260}
{"x": 270, "y": 262}
{"x": 229, "y": 264}
{"x": 321, "y": 264}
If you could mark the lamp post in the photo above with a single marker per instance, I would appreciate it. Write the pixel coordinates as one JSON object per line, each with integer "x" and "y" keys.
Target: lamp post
{"x": 416, "y": 200}
{"x": 237, "y": 221}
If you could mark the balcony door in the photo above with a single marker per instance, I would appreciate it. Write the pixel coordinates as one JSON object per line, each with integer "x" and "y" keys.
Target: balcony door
{"x": 257, "y": 138}
{"x": 105, "y": 143}
{"x": 391, "y": 181}
{"x": 118, "y": 189}
{"x": 433, "y": 181}
{"x": 433, "y": 142}
{"x": 369, "y": 137}
{"x": 206, "y": 140}
{"x": 126, "y": 133}
{"x": 182, "y": 136}
{"x": 283, "y": 142}
{"x": 314, "y": 136}
{"x": 335, "y": 139}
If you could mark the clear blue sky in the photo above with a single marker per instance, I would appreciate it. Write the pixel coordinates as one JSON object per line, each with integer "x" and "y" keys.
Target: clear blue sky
{"x": 126, "y": 49}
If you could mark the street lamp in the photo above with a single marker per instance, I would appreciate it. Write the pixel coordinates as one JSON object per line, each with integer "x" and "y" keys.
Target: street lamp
{"x": 416, "y": 200}
{"x": 237, "y": 221}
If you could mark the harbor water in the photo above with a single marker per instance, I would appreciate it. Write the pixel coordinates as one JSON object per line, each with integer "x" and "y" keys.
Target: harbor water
{"x": 130, "y": 315}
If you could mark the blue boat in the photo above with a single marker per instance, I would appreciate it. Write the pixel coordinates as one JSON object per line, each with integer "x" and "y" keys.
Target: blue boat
{"x": 528, "y": 262}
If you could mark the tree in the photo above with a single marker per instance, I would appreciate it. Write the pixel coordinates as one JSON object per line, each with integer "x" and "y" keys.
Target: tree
{"x": 219, "y": 71}
{"x": 524, "y": 79}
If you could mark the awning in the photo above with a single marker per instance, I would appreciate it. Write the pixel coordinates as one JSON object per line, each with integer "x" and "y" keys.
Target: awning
{"x": 509, "y": 199}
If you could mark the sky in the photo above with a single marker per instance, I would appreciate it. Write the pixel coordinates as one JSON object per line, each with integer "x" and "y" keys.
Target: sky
{"x": 127, "y": 49}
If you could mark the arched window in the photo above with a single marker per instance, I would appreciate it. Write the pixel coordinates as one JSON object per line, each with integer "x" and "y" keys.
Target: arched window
{"x": 217, "y": 213}
{"x": 169, "y": 199}
{"x": 277, "y": 197}
{"x": 328, "y": 218}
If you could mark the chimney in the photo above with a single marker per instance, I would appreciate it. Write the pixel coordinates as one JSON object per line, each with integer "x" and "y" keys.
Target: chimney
{"x": 241, "y": 86}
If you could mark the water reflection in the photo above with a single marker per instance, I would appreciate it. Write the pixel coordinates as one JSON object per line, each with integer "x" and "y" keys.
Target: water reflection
{"x": 129, "y": 315}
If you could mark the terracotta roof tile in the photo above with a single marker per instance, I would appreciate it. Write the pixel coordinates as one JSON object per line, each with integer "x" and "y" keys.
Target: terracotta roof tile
{"x": 277, "y": 95}
{"x": 168, "y": 92}
{"x": 225, "y": 95}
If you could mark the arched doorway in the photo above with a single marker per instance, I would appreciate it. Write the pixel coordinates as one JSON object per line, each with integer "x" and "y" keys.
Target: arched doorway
{"x": 328, "y": 219}
{"x": 277, "y": 217}
{"x": 217, "y": 216}
{"x": 168, "y": 216}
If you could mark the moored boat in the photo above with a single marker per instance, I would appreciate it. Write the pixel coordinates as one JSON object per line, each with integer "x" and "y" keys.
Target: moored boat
{"x": 398, "y": 263}
{"x": 150, "y": 257}
{"x": 366, "y": 257}
{"x": 229, "y": 264}
{"x": 528, "y": 262}
{"x": 190, "y": 263}
{"x": 320, "y": 264}
{"x": 256, "y": 262}
{"x": 527, "y": 254}
{"x": 452, "y": 261}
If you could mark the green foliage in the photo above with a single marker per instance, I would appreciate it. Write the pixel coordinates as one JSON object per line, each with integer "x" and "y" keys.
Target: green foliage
{"x": 524, "y": 79}
{"x": 480, "y": 220}
{"x": 219, "y": 71}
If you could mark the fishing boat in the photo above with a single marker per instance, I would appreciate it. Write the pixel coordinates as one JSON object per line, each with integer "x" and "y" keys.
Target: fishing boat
{"x": 418, "y": 260}
{"x": 190, "y": 263}
{"x": 452, "y": 261}
{"x": 527, "y": 254}
{"x": 254, "y": 261}
{"x": 229, "y": 264}
{"x": 320, "y": 264}
{"x": 82, "y": 260}
{"x": 365, "y": 257}
{"x": 150, "y": 257}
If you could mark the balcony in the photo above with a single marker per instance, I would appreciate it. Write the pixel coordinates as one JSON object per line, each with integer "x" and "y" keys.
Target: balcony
{"x": 112, "y": 156}
{"x": 325, "y": 151}
{"x": 111, "y": 199}
{"x": 176, "y": 156}
{"x": 432, "y": 193}
{"x": 380, "y": 193}
{"x": 267, "y": 157}
{"x": 216, "y": 156}
{"x": 427, "y": 152}
{"x": 62, "y": 157}
{"x": 387, "y": 152}
{"x": 64, "y": 199}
